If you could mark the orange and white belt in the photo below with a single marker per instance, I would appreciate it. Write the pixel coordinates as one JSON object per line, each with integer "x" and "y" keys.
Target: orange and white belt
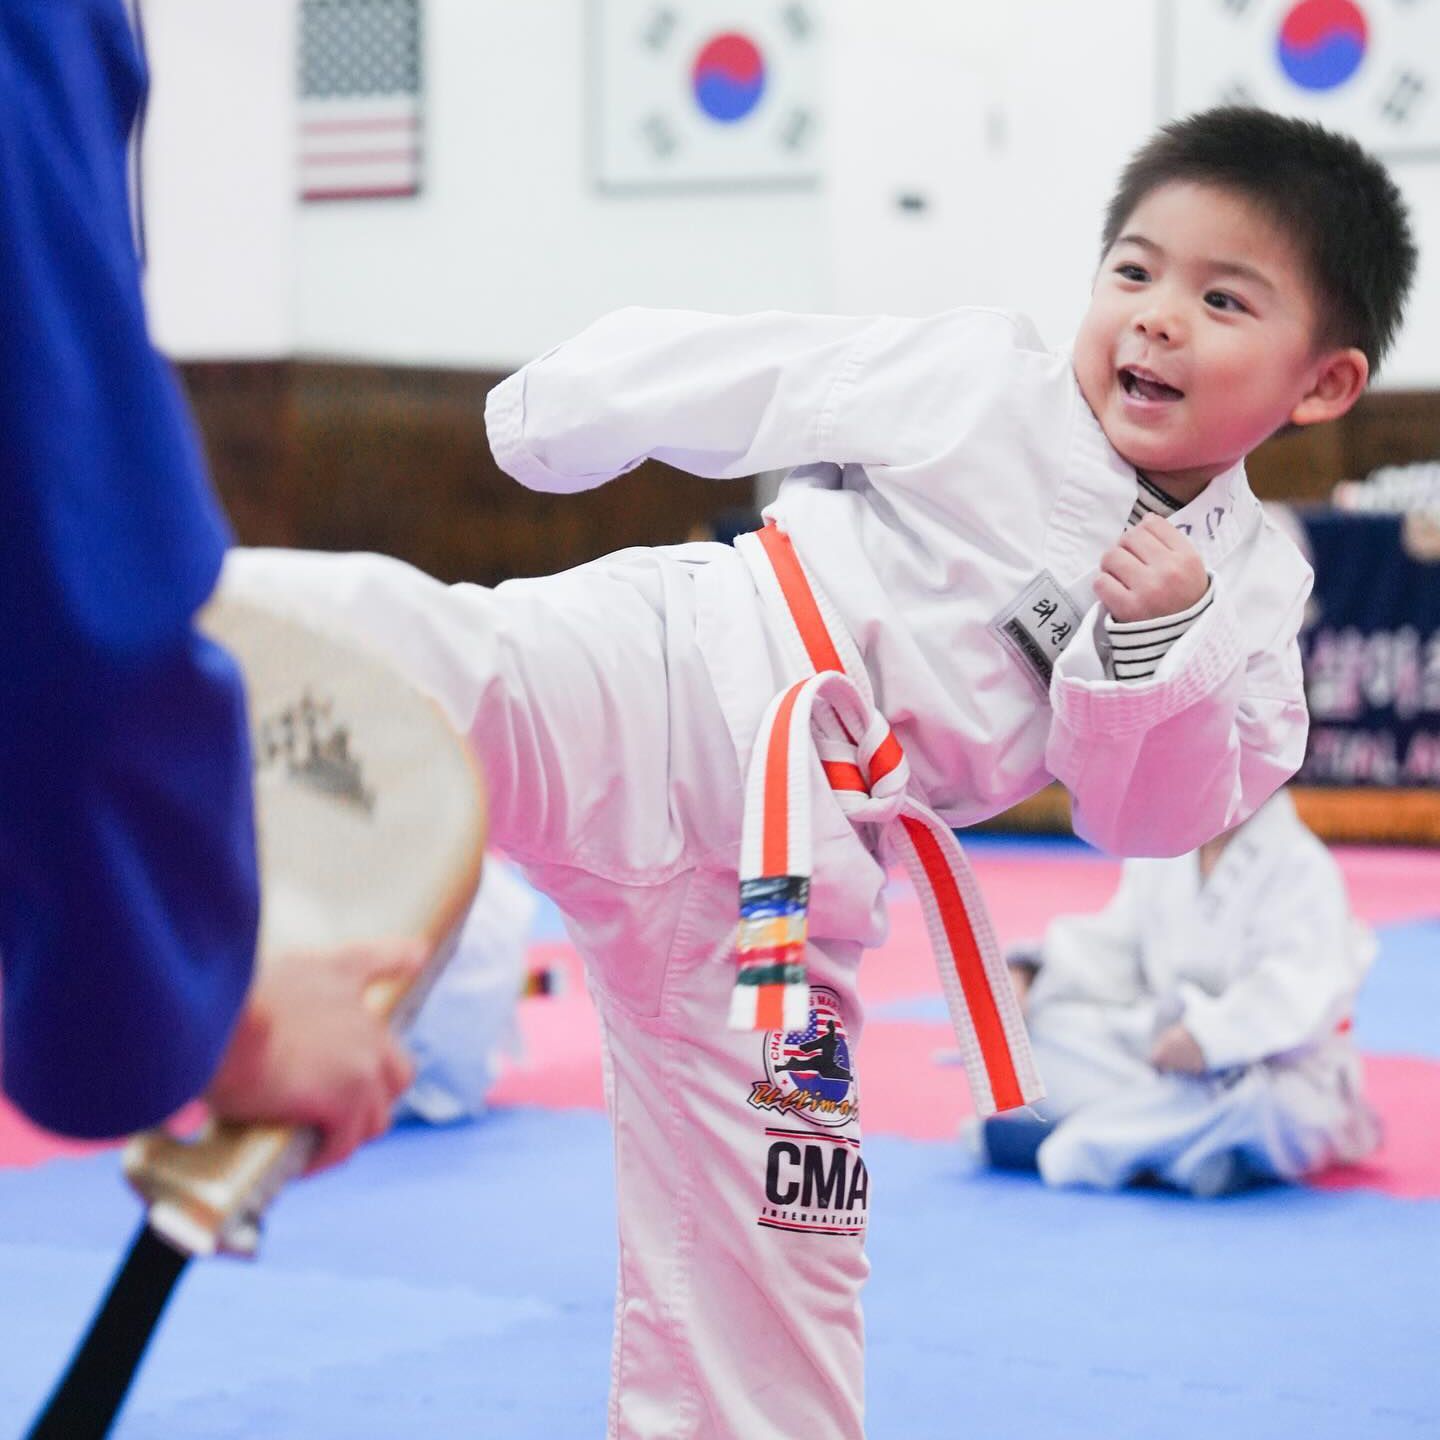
{"x": 833, "y": 710}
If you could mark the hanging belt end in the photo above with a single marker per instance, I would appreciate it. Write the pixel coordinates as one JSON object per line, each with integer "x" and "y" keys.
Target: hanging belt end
{"x": 770, "y": 1005}
{"x": 771, "y": 989}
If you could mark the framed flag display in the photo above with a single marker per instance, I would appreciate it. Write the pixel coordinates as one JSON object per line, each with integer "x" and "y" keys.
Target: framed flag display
{"x": 1370, "y": 68}
{"x": 360, "y": 99}
{"x": 705, "y": 93}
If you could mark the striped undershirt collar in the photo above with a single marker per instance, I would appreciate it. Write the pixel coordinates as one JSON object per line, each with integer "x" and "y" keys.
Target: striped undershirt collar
{"x": 1137, "y": 648}
{"x": 1151, "y": 500}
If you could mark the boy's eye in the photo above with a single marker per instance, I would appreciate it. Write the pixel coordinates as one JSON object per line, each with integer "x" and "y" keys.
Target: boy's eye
{"x": 1130, "y": 271}
{"x": 1223, "y": 300}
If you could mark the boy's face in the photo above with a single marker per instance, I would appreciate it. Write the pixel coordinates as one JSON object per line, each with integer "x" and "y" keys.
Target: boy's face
{"x": 1200, "y": 337}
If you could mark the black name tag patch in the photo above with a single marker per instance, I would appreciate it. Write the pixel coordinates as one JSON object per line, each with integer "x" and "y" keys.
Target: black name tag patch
{"x": 1037, "y": 626}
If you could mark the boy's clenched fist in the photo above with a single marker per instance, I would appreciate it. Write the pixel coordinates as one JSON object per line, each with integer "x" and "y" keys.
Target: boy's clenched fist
{"x": 1152, "y": 570}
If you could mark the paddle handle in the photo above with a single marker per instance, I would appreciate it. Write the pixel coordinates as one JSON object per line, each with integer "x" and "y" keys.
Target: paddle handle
{"x": 209, "y": 1193}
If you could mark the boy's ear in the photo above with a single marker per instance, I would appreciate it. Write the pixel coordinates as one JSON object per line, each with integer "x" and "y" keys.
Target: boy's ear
{"x": 1339, "y": 382}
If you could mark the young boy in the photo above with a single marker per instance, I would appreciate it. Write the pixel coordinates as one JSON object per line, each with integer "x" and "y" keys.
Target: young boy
{"x": 972, "y": 531}
{"x": 1197, "y": 1028}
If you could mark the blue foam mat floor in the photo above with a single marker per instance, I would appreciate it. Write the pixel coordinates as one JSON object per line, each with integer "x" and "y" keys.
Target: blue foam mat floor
{"x": 458, "y": 1284}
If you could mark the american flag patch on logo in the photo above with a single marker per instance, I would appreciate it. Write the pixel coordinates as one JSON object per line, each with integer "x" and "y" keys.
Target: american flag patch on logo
{"x": 360, "y": 99}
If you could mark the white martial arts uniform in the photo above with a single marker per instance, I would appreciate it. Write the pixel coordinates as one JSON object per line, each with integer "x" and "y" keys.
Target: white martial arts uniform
{"x": 953, "y": 498}
{"x": 1261, "y": 961}
{"x": 467, "y": 1023}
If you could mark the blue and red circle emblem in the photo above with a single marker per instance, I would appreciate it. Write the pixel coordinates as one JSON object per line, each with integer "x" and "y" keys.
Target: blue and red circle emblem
{"x": 1322, "y": 42}
{"x": 728, "y": 77}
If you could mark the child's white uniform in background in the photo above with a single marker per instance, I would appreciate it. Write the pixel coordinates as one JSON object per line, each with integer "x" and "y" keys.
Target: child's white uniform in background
{"x": 1261, "y": 962}
{"x": 954, "y": 500}
{"x": 468, "y": 1020}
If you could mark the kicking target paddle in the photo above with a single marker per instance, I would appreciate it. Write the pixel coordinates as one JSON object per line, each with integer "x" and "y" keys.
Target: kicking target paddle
{"x": 371, "y": 820}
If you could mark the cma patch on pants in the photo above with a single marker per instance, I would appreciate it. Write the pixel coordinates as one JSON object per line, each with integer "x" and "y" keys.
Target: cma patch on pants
{"x": 815, "y": 1178}
{"x": 743, "y": 1201}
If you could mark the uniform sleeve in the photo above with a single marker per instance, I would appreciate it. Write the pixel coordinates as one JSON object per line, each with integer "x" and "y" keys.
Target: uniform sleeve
{"x": 1304, "y": 957}
{"x": 715, "y": 395}
{"x": 112, "y": 535}
{"x": 128, "y": 895}
{"x": 1092, "y": 958}
{"x": 128, "y": 888}
{"x": 1158, "y": 766}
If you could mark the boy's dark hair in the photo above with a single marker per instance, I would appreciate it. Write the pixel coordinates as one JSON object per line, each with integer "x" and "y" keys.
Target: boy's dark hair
{"x": 1337, "y": 204}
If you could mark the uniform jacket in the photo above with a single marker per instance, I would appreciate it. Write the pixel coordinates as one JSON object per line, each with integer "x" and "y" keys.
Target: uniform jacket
{"x": 1261, "y": 960}
{"x": 953, "y": 494}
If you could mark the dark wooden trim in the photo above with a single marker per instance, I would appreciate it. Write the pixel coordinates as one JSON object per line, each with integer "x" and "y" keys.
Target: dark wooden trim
{"x": 366, "y": 457}
{"x": 381, "y": 457}
{"x": 386, "y": 456}
{"x": 1386, "y": 427}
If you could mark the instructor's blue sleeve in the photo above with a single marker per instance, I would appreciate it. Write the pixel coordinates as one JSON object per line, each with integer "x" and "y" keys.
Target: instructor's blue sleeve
{"x": 128, "y": 893}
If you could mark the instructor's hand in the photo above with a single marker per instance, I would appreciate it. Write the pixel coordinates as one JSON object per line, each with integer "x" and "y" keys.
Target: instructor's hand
{"x": 310, "y": 1050}
{"x": 1152, "y": 570}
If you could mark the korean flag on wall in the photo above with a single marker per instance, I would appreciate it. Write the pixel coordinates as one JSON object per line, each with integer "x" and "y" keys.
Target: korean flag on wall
{"x": 1370, "y": 68}
{"x": 708, "y": 92}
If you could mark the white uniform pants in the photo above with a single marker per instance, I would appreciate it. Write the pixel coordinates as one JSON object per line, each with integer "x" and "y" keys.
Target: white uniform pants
{"x": 614, "y": 782}
{"x": 1119, "y": 1116}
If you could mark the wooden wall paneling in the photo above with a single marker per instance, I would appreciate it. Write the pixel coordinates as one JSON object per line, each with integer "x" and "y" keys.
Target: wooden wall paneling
{"x": 398, "y": 461}
{"x": 394, "y": 458}
{"x": 1385, "y": 428}
{"x": 246, "y": 415}
{"x": 338, "y": 456}
{"x": 1299, "y": 465}
{"x": 1392, "y": 429}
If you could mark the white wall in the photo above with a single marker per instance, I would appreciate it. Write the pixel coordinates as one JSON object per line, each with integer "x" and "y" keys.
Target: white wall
{"x": 987, "y": 113}
{"x": 1013, "y": 118}
{"x": 219, "y": 190}
{"x": 511, "y": 247}
{"x": 1415, "y": 364}
{"x": 1014, "y": 122}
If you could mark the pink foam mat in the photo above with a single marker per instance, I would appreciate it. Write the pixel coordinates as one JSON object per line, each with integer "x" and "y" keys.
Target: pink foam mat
{"x": 907, "y": 1089}
{"x": 909, "y": 1086}
{"x": 21, "y": 1144}
{"x": 1388, "y": 886}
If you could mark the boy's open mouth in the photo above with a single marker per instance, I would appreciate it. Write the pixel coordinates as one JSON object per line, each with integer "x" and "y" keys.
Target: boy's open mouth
{"x": 1142, "y": 385}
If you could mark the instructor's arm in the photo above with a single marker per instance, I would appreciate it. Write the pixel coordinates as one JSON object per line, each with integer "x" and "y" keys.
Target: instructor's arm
{"x": 128, "y": 888}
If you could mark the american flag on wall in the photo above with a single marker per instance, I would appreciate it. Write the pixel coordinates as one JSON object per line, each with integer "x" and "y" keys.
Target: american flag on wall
{"x": 360, "y": 99}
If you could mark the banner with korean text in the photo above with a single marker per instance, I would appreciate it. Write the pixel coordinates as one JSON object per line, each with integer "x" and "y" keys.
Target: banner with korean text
{"x": 1372, "y": 649}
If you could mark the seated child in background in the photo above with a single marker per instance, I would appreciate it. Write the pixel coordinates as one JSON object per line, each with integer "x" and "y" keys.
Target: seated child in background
{"x": 468, "y": 1020}
{"x": 1196, "y": 1030}
{"x": 971, "y": 532}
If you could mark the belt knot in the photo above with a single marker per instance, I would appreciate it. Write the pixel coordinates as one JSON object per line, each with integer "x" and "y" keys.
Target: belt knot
{"x": 832, "y": 712}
